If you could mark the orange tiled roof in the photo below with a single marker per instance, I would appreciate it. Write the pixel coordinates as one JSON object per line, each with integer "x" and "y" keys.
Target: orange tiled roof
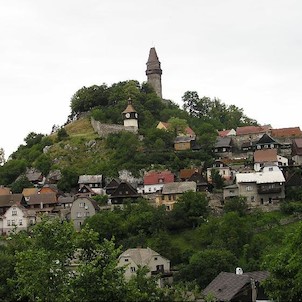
{"x": 287, "y": 132}
{"x": 266, "y": 155}
{"x": 252, "y": 129}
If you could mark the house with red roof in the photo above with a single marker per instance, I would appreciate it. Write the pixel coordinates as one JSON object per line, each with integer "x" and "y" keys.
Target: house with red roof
{"x": 268, "y": 157}
{"x": 250, "y": 134}
{"x": 224, "y": 133}
{"x": 155, "y": 180}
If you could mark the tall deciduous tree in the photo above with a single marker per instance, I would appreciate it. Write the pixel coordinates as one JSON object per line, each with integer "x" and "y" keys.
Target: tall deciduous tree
{"x": 285, "y": 267}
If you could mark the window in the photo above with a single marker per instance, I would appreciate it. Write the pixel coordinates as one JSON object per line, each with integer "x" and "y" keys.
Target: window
{"x": 126, "y": 259}
{"x": 82, "y": 204}
{"x": 8, "y": 222}
{"x": 132, "y": 268}
{"x": 160, "y": 268}
{"x": 249, "y": 188}
{"x": 20, "y": 222}
{"x": 87, "y": 214}
{"x": 13, "y": 222}
{"x": 79, "y": 214}
{"x": 252, "y": 198}
{"x": 14, "y": 212}
{"x": 271, "y": 169}
{"x": 155, "y": 258}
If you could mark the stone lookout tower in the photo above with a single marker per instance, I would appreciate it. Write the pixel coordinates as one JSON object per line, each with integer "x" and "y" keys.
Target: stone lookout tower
{"x": 154, "y": 72}
{"x": 130, "y": 117}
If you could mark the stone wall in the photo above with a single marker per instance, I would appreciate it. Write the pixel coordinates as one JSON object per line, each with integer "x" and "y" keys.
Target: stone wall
{"x": 104, "y": 130}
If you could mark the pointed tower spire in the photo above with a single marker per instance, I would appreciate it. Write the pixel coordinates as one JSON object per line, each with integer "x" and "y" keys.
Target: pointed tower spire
{"x": 154, "y": 72}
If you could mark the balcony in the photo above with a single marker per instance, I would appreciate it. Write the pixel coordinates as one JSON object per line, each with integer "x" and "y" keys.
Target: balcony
{"x": 269, "y": 189}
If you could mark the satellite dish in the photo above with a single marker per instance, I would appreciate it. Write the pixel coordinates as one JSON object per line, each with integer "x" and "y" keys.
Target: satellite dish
{"x": 239, "y": 271}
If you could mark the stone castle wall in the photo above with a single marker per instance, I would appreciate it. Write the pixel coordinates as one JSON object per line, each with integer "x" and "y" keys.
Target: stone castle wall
{"x": 104, "y": 130}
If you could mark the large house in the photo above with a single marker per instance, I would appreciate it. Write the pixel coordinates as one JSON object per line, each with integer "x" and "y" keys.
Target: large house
{"x": 259, "y": 188}
{"x": 134, "y": 258}
{"x": 268, "y": 156}
{"x": 155, "y": 180}
{"x": 94, "y": 182}
{"x": 17, "y": 218}
{"x": 82, "y": 207}
{"x": 223, "y": 170}
{"x": 172, "y": 191}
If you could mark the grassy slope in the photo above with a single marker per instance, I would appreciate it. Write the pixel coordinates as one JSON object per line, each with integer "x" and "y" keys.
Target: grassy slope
{"x": 83, "y": 150}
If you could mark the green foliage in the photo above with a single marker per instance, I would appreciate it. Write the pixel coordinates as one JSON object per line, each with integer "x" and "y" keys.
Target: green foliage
{"x": 62, "y": 134}
{"x": 87, "y": 98}
{"x": 11, "y": 170}
{"x": 33, "y": 138}
{"x": 177, "y": 126}
{"x": 214, "y": 111}
{"x": 190, "y": 210}
{"x": 43, "y": 163}
{"x": 236, "y": 204}
{"x": 285, "y": 269}
{"x": 210, "y": 262}
{"x": 21, "y": 183}
{"x": 68, "y": 181}
{"x": 291, "y": 207}
{"x": 217, "y": 179}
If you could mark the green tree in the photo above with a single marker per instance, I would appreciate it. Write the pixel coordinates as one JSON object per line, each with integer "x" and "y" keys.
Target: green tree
{"x": 43, "y": 163}
{"x": 21, "y": 183}
{"x": 236, "y": 204}
{"x": 33, "y": 138}
{"x": 62, "y": 134}
{"x": 69, "y": 180}
{"x": 210, "y": 262}
{"x": 11, "y": 170}
{"x": 191, "y": 209}
{"x": 98, "y": 277}
{"x": 41, "y": 268}
{"x": 285, "y": 267}
{"x": 177, "y": 126}
{"x": 217, "y": 179}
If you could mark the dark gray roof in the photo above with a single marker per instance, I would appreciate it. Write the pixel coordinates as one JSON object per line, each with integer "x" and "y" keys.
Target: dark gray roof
{"x": 227, "y": 285}
{"x": 183, "y": 139}
{"x": 223, "y": 142}
{"x": 10, "y": 199}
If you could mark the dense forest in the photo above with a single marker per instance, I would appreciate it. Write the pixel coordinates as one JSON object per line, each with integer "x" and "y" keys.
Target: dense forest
{"x": 199, "y": 242}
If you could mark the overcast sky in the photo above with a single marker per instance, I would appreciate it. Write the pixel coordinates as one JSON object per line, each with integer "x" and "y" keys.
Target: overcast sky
{"x": 245, "y": 52}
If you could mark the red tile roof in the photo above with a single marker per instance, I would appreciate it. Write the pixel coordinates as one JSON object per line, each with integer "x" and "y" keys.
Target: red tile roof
{"x": 187, "y": 173}
{"x": 287, "y": 132}
{"x": 156, "y": 177}
{"x": 266, "y": 155}
{"x": 252, "y": 129}
{"x": 223, "y": 133}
